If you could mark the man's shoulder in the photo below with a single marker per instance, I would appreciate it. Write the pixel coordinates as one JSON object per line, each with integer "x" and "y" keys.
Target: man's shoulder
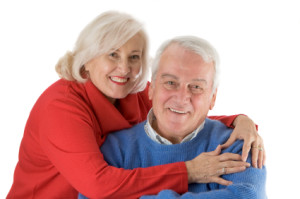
{"x": 216, "y": 132}
{"x": 217, "y": 128}
{"x": 221, "y": 132}
{"x": 126, "y": 135}
{"x": 122, "y": 145}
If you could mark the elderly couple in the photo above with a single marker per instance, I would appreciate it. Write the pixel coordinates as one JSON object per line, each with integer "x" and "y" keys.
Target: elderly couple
{"x": 172, "y": 150}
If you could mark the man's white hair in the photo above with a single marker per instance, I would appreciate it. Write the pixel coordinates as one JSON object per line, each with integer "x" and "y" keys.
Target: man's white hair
{"x": 196, "y": 45}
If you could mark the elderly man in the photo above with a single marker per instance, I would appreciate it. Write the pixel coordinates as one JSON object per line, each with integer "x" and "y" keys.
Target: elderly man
{"x": 183, "y": 90}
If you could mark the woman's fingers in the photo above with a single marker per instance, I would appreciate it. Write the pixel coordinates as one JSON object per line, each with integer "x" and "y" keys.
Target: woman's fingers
{"x": 261, "y": 158}
{"x": 258, "y": 153}
{"x": 230, "y": 156}
{"x": 216, "y": 152}
{"x": 230, "y": 170}
{"x": 221, "y": 181}
{"x": 246, "y": 149}
{"x": 232, "y": 164}
{"x": 207, "y": 166}
{"x": 229, "y": 142}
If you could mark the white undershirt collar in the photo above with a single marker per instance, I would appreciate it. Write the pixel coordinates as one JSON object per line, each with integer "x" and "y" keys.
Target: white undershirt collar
{"x": 161, "y": 140}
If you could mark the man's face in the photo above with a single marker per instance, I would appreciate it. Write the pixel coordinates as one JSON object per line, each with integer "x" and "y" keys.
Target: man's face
{"x": 181, "y": 94}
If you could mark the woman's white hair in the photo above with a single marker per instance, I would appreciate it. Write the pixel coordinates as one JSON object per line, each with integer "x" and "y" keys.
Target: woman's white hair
{"x": 109, "y": 30}
{"x": 196, "y": 45}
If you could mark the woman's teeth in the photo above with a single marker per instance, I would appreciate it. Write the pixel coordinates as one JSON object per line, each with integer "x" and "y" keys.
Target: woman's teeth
{"x": 120, "y": 80}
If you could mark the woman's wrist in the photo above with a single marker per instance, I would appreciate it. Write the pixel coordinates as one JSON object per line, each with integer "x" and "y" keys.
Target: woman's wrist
{"x": 189, "y": 168}
{"x": 241, "y": 119}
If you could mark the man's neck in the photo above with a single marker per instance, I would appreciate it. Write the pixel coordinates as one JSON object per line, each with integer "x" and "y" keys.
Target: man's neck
{"x": 157, "y": 136}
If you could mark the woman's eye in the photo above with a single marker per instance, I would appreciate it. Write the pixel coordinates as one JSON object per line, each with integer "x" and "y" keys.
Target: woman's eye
{"x": 135, "y": 57}
{"x": 113, "y": 54}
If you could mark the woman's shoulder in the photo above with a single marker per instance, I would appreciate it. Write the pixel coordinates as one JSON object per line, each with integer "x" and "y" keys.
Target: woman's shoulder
{"x": 63, "y": 86}
{"x": 62, "y": 92}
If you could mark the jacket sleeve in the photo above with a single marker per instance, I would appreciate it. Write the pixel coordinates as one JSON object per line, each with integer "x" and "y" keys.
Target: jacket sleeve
{"x": 68, "y": 140}
{"x": 227, "y": 120}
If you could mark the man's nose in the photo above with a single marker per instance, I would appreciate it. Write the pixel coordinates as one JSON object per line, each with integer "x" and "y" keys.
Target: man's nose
{"x": 183, "y": 94}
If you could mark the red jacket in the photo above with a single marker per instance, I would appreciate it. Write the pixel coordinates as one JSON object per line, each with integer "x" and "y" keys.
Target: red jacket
{"x": 59, "y": 153}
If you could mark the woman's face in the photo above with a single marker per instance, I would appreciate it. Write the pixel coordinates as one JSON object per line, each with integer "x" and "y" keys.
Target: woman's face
{"x": 115, "y": 73}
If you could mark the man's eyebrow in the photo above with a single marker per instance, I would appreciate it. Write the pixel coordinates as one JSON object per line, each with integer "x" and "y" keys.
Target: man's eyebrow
{"x": 199, "y": 80}
{"x": 175, "y": 77}
{"x": 169, "y": 75}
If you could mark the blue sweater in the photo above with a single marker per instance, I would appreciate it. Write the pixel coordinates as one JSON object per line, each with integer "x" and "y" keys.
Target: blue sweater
{"x": 132, "y": 148}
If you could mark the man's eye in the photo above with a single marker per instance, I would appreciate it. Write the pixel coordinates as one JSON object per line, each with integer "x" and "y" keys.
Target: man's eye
{"x": 170, "y": 85}
{"x": 196, "y": 89}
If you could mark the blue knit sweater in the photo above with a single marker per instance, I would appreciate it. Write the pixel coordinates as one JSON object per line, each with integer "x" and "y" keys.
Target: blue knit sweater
{"x": 132, "y": 148}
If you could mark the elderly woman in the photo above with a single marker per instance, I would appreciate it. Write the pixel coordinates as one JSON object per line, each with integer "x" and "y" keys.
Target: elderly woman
{"x": 103, "y": 88}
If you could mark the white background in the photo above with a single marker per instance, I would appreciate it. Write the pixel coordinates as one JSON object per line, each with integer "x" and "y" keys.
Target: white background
{"x": 258, "y": 42}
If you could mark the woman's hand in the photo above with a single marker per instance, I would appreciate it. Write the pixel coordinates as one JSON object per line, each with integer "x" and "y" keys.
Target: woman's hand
{"x": 245, "y": 129}
{"x": 208, "y": 167}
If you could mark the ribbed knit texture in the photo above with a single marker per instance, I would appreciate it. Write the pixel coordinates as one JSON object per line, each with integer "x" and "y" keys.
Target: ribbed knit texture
{"x": 132, "y": 148}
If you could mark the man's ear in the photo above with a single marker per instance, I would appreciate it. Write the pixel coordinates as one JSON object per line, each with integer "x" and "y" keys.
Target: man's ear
{"x": 213, "y": 100}
{"x": 150, "y": 91}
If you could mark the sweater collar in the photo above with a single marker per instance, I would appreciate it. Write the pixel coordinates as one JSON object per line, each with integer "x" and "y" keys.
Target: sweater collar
{"x": 123, "y": 116}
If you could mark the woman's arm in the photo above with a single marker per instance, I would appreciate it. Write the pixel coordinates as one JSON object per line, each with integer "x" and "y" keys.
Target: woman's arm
{"x": 72, "y": 148}
{"x": 244, "y": 129}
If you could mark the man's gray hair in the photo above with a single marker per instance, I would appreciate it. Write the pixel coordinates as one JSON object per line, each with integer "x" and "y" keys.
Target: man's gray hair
{"x": 196, "y": 45}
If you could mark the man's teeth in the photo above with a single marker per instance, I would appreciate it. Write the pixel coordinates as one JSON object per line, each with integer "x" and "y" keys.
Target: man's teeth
{"x": 118, "y": 79}
{"x": 176, "y": 111}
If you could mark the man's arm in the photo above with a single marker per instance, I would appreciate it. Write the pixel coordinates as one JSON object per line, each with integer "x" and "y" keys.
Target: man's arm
{"x": 248, "y": 184}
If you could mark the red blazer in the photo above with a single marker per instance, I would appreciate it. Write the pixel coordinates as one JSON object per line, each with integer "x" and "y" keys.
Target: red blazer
{"x": 59, "y": 153}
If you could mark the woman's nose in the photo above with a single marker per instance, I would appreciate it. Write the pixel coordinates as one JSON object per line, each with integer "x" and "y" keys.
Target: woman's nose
{"x": 123, "y": 66}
